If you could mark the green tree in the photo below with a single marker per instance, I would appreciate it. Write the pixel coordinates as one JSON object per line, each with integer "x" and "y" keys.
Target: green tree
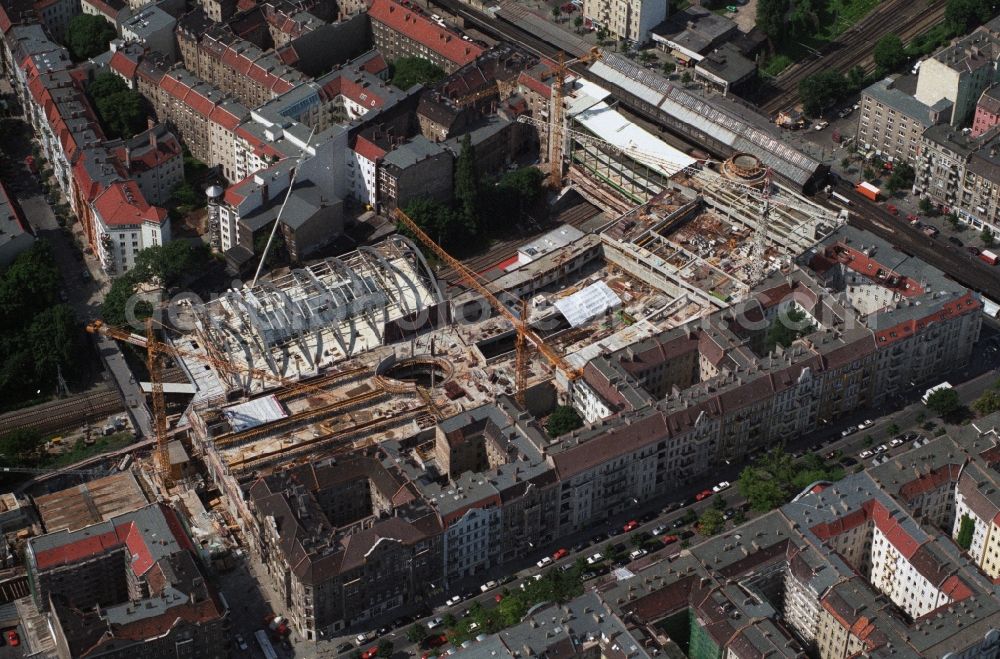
{"x": 821, "y": 90}
{"x": 711, "y": 522}
{"x": 385, "y": 648}
{"x": 516, "y": 191}
{"x": 578, "y": 23}
{"x": 960, "y": 16}
{"x": 556, "y": 13}
{"x": 856, "y": 79}
{"x": 784, "y": 330}
{"x": 845, "y": 162}
{"x": 55, "y": 340}
{"x": 686, "y": 77}
{"x": 408, "y": 71}
{"x": 114, "y": 308}
{"x": 889, "y": 53}
{"x": 447, "y": 227}
{"x": 771, "y": 19}
{"x": 89, "y": 35}
{"x": 29, "y": 285}
{"x": 168, "y": 264}
{"x": 563, "y": 419}
{"x": 892, "y": 430}
{"x": 669, "y": 67}
{"x": 122, "y": 111}
{"x": 987, "y": 236}
{"x": 416, "y": 634}
{"x": 988, "y": 403}
{"x": 966, "y": 529}
{"x": 901, "y": 178}
{"x": 18, "y": 446}
{"x": 944, "y": 402}
{"x": 925, "y": 205}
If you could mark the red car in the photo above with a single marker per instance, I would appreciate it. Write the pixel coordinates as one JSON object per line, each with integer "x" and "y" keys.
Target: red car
{"x": 631, "y": 526}
{"x": 912, "y": 219}
{"x": 560, "y": 553}
{"x": 13, "y": 639}
{"x": 670, "y": 539}
{"x": 435, "y": 641}
{"x": 370, "y": 652}
{"x": 498, "y": 597}
{"x": 704, "y": 494}
{"x": 892, "y": 209}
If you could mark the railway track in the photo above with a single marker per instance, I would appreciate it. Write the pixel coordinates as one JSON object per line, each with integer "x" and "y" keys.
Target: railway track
{"x": 64, "y": 414}
{"x": 854, "y": 47}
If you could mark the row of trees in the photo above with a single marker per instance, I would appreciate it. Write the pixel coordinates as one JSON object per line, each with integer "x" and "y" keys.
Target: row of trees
{"x": 820, "y": 91}
{"x": 38, "y": 335}
{"x": 480, "y": 208}
{"x": 164, "y": 265}
{"x": 775, "y": 477}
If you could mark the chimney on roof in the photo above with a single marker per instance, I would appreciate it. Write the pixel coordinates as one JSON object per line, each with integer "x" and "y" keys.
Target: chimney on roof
{"x": 128, "y": 158}
{"x": 153, "y": 139}
{"x": 263, "y": 193}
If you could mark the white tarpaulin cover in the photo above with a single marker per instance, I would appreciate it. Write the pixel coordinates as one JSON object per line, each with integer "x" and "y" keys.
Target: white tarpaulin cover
{"x": 253, "y": 413}
{"x": 583, "y": 305}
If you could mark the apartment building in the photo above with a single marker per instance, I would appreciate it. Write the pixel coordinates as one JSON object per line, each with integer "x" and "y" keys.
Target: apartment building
{"x": 987, "y": 111}
{"x": 344, "y": 543}
{"x": 16, "y": 234}
{"x": 977, "y": 503}
{"x": 846, "y": 569}
{"x": 414, "y": 169}
{"x": 117, "y": 218}
{"x": 154, "y": 159}
{"x": 631, "y": 20}
{"x": 891, "y": 121}
{"x": 152, "y": 27}
{"x": 55, "y": 15}
{"x": 128, "y": 586}
{"x": 406, "y": 31}
{"x": 115, "y": 12}
{"x": 959, "y": 73}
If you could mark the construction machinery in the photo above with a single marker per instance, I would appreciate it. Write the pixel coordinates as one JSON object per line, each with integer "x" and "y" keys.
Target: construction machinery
{"x": 524, "y": 334}
{"x": 156, "y": 350}
{"x": 709, "y": 179}
{"x": 557, "y": 136}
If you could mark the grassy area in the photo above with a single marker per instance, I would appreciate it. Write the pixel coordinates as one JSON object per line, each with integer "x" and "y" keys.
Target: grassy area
{"x": 845, "y": 13}
{"x": 81, "y": 451}
{"x": 776, "y": 64}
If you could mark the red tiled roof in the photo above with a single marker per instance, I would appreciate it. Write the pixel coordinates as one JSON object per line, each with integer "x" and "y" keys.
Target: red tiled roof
{"x": 423, "y": 30}
{"x": 367, "y": 149}
{"x": 376, "y": 65}
{"x": 123, "y": 65}
{"x": 123, "y": 204}
{"x": 906, "y": 329}
{"x": 930, "y": 481}
{"x": 534, "y": 84}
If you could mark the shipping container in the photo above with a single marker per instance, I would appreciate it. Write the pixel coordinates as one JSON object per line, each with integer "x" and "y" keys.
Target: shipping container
{"x": 868, "y": 190}
{"x": 989, "y": 257}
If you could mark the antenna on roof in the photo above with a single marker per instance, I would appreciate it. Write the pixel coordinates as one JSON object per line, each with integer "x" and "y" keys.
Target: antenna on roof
{"x": 277, "y": 220}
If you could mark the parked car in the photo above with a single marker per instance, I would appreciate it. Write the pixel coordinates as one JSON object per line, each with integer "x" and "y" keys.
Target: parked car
{"x": 678, "y": 523}
{"x": 346, "y": 646}
{"x": 955, "y": 241}
{"x": 729, "y": 513}
{"x": 434, "y": 623}
{"x": 724, "y": 485}
{"x": 451, "y": 601}
{"x": 560, "y": 554}
{"x": 648, "y": 517}
{"x": 630, "y": 526}
{"x": 848, "y": 462}
{"x": 489, "y": 585}
{"x": 896, "y": 441}
{"x": 867, "y": 423}
{"x": 669, "y": 539}
{"x": 881, "y": 448}
{"x": 704, "y": 494}
{"x": 821, "y": 125}
{"x": 973, "y": 251}
{"x": 242, "y": 644}
{"x": 595, "y": 558}
{"x": 659, "y": 530}
{"x": 370, "y": 652}
{"x": 866, "y": 454}
{"x": 365, "y": 637}
{"x": 637, "y": 553}
{"x": 542, "y": 563}
{"x": 849, "y": 430}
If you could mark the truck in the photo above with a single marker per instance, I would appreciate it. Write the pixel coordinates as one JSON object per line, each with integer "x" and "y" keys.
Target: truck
{"x": 989, "y": 257}
{"x": 868, "y": 190}
{"x": 936, "y": 388}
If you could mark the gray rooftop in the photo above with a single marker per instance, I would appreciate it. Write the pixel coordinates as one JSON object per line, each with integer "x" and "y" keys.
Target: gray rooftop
{"x": 412, "y": 152}
{"x": 894, "y": 92}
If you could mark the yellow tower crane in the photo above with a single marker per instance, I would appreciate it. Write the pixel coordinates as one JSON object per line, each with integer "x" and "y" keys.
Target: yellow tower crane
{"x": 525, "y": 335}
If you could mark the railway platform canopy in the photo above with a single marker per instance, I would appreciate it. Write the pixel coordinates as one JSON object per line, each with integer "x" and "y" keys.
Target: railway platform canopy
{"x": 295, "y": 323}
